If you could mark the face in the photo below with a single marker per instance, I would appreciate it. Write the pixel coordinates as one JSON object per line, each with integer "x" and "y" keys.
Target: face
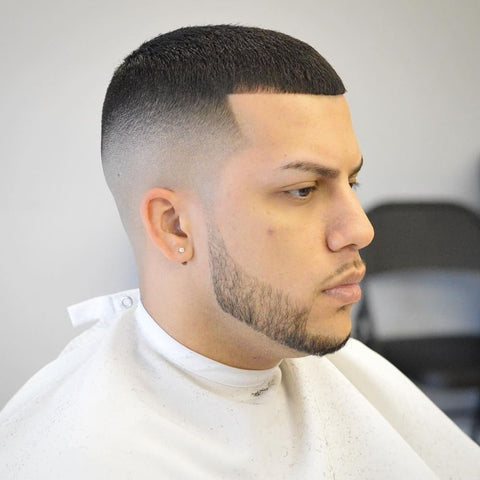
{"x": 285, "y": 235}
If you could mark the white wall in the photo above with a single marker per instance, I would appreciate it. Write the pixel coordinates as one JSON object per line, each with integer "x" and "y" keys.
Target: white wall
{"x": 411, "y": 68}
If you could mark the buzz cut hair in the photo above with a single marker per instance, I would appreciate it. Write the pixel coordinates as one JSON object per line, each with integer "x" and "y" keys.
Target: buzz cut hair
{"x": 166, "y": 110}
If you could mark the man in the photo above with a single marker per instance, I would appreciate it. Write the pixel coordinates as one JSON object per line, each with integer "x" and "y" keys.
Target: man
{"x": 231, "y": 156}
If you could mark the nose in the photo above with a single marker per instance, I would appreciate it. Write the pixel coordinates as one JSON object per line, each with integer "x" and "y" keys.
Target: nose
{"x": 349, "y": 225}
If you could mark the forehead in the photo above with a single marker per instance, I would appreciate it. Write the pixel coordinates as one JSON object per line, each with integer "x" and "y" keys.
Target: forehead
{"x": 291, "y": 123}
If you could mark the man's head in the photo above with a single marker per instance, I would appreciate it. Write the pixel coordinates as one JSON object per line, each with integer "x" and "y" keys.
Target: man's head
{"x": 166, "y": 116}
{"x": 230, "y": 150}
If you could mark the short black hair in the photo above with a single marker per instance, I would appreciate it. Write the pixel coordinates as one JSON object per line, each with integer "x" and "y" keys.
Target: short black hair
{"x": 179, "y": 69}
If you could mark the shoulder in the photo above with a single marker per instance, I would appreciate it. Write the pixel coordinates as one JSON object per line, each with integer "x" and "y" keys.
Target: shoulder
{"x": 407, "y": 409}
{"x": 62, "y": 405}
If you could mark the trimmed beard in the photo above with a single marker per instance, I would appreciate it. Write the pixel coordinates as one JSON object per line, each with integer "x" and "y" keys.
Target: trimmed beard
{"x": 262, "y": 307}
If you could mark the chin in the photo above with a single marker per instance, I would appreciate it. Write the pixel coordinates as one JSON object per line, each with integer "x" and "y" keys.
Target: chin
{"x": 337, "y": 325}
{"x": 327, "y": 336}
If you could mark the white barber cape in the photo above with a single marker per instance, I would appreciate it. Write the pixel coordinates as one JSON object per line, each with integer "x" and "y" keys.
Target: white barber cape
{"x": 126, "y": 401}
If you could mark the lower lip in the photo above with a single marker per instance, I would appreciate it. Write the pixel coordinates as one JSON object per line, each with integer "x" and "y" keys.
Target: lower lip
{"x": 346, "y": 294}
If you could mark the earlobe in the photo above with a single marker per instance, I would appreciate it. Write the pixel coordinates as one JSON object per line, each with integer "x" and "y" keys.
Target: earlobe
{"x": 166, "y": 225}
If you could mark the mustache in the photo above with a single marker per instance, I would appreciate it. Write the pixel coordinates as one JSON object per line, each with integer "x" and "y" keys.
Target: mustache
{"x": 357, "y": 264}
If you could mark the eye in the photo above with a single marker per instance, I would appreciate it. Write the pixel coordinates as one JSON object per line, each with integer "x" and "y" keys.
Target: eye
{"x": 354, "y": 185}
{"x": 304, "y": 192}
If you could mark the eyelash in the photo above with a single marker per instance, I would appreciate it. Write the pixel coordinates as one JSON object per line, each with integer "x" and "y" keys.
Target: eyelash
{"x": 313, "y": 188}
{"x": 309, "y": 191}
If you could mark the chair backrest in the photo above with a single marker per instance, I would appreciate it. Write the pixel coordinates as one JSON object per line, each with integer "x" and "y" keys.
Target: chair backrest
{"x": 423, "y": 235}
{"x": 423, "y": 272}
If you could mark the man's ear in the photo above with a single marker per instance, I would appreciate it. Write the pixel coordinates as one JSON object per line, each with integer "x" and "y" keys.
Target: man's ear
{"x": 166, "y": 224}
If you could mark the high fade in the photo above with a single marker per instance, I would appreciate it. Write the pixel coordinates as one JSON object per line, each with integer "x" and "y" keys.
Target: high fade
{"x": 166, "y": 109}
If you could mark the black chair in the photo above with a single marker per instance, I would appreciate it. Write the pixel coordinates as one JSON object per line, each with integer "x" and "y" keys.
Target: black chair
{"x": 418, "y": 237}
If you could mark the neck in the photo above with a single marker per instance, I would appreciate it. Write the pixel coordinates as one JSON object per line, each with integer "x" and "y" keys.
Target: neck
{"x": 205, "y": 329}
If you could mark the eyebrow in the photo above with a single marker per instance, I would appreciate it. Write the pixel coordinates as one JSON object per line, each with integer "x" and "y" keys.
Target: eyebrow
{"x": 320, "y": 170}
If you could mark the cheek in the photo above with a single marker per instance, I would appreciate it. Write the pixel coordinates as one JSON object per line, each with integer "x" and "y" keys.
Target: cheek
{"x": 284, "y": 250}
{"x": 288, "y": 257}
{"x": 293, "y": 258}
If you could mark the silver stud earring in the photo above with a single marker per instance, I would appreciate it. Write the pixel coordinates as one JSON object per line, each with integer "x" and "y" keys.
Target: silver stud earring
{"x": 181, "y": 250}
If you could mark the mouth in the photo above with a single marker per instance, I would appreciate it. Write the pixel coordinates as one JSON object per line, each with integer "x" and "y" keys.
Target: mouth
{"x": 346, "y": 290}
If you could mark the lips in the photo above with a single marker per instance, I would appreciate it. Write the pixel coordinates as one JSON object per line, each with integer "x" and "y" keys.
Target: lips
{"x": 346, "y": 289}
